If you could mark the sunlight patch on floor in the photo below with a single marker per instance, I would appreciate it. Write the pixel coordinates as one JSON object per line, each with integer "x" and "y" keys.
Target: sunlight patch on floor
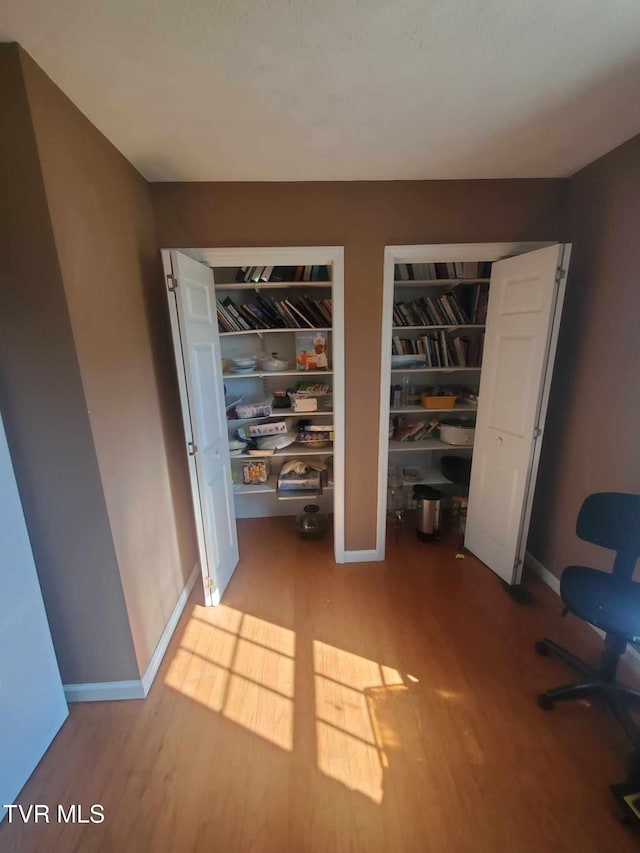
{"x": 350, "y": 747}
{"x": 242, "y": 668}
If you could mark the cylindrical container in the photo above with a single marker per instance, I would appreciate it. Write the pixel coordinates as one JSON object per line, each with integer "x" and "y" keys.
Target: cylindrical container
{"x": 311, "y": 523}
{"x": 428, "y": 523}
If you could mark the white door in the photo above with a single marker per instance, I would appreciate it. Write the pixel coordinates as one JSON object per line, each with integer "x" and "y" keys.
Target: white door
{"x": 205, "y": 422}
{"x": 32, "y": 703}
{"x": 522, "y": 321}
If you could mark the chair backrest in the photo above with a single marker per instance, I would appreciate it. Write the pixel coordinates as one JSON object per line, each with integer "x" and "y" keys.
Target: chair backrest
{"x": 612, "y": 519}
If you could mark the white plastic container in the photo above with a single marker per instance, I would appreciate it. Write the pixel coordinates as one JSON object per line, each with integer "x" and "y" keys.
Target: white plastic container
{"x": 257, "y": 409}
{"x": 456, "y": 434}
{"x": 257, "y": 430}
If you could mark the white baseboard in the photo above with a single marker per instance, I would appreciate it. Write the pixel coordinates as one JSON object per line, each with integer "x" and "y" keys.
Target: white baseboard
{"x": 632, "y": 656}
{"x": 108, "y": 691}
{"x": 372, "y": 556}
{"x": 104, "y": 691}
{"x": 163, "y": 643}
{"x": 548, "y": 577}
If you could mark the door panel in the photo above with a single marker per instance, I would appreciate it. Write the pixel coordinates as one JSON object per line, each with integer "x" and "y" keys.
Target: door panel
{"x": 207, "y": 412}
{"x": 513, "y": 362}
{"x": 204, "y": 388}
{"x": 222, "y": 521}
{"x": 32, "y": 702}
{"x": 520, "y": 320}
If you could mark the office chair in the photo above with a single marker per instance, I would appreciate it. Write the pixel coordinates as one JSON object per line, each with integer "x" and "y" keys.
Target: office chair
{"x": 611, "y": 602}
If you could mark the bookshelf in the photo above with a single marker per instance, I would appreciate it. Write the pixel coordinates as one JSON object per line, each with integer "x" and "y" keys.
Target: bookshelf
{"x": 434, "y": 327}
{"x": 435, "y": 369}
{"x": 279, "y": 313}
{"x": 275, "y": 331}
{"x": 274, "y": 374}
{"x": 274, "y": 285}
{"x": 447, "y": 283}
{"x": 437, "y": 315}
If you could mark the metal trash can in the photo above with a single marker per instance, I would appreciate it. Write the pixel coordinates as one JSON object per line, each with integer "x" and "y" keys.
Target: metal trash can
{"x": 428, "y": 522}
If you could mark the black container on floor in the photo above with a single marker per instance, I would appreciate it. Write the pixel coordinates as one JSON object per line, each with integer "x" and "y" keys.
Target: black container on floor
{"x": 311, "y": 523}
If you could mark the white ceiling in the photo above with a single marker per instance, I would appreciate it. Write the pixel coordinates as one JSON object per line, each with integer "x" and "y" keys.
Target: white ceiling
{"x": 266, "y": 90}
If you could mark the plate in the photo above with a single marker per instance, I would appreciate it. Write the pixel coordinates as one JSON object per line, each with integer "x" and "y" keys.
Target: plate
{"x": 407, "y": 360}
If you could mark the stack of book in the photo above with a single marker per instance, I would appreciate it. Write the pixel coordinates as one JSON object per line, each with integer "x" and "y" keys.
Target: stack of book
{"x": 449, "y": 270}
{"x": 289, "y": 274}
{"x": 266, "y": 313}
{"x": 469, "y": 306}
{"x": 441, "y": 350}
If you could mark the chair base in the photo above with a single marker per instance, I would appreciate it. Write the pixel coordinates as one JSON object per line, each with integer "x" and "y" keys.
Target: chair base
{"x": 598, "y": 684}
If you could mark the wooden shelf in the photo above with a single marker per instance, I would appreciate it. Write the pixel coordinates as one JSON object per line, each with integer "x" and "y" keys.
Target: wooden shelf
{"x": 432, "y": 477}
{"x": 272, "y": 331}
{"x": 420, "y": 410}
{"x": 432, "y": 369}
{"x": 290, "y": 452}
{"x": 436, "y": 328}
{"x": 265, "y": 374}
{"x": 281, "y": 414}
{"x": 269, "y": 285}
{"x": 441, "y": 282}
{"x": 425, "y": 444}
{"x": 270, "y": 488}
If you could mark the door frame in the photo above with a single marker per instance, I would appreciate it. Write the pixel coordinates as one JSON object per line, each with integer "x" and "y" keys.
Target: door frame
{"x": 441, "y": 253}
{"x": 276, "y": 256}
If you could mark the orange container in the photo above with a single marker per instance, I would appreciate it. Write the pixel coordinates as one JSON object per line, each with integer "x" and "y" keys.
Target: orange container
{"x": 437, "y": 402}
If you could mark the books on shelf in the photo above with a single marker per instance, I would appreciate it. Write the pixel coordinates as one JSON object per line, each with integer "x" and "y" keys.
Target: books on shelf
{"x": 274, "y": 274}
{"x": 442, "y": 350}
{"x": 407, "y": 430}
{"x": 442, "y": 270}
{"x": 467, "y": 305}
{"x": 264, "y": 312}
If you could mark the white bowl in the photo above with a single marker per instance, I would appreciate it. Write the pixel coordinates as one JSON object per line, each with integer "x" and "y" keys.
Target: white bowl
{"x": 274, "y": 364}
{"x": 245, "y": 362}
{"x": 236, "y": 447}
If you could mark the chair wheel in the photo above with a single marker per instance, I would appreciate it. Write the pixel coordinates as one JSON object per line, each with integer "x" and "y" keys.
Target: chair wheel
{"x": 545, "y": 702}
{"x": 542, "y": 648}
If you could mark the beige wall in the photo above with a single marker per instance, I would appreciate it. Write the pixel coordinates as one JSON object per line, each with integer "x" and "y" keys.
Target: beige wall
{"x": 103, "y": 228}
{"x": 45, "y": 414}
{"x": 363, "y": 217}
{"x": 591, "y": 441}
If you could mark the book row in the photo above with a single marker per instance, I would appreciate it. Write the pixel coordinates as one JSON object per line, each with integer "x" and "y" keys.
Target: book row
{"x": 450, "y": 309}
{"x": 405, "y": 430}
{"x": 266, "y": 313}
{"x": 274, "y": 274}
{"x": 451, "y": 269}
{"x": 442, "y": 350}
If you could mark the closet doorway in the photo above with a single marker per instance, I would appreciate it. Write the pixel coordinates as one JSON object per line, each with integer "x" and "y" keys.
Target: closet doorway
{"x": 258, "y": 336}
{"x": 468, "y": 345}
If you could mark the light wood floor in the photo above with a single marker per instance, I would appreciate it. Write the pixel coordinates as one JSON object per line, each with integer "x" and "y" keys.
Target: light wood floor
{"x": 379, "y": 707}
